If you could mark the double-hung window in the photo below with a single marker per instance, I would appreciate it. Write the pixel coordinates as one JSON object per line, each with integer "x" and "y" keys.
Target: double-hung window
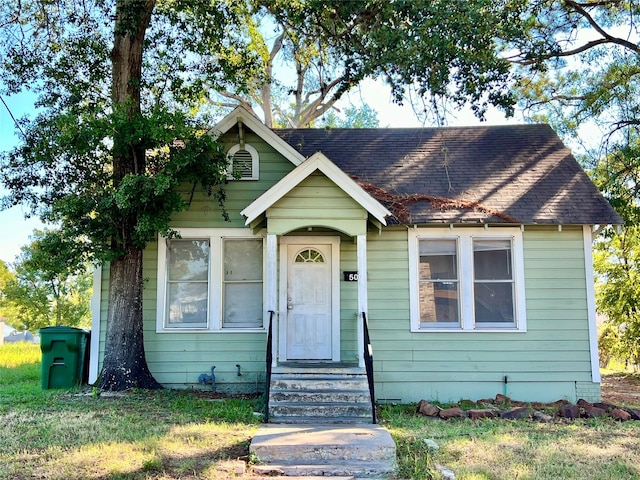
{"x": 187, "y": 286}
{"x": 210, "y": 280}
{"x": 467, "y": 279}
{"x": 242, "y": 283}
{"x": 493, "y": 282}
{"x": 439, "y": 286}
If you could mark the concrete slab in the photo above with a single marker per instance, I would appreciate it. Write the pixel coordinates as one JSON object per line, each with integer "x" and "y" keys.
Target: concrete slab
{"x": 271, "y": 477}
{"x": 361, "y": 450}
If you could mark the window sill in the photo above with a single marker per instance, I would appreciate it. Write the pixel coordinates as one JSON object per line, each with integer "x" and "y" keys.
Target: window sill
{"x": 208, "y": 330}
{"x": 476, "y": 330}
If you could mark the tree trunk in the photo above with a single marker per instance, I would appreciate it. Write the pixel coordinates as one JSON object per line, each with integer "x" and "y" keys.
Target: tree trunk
{"x": 125, "y": 365}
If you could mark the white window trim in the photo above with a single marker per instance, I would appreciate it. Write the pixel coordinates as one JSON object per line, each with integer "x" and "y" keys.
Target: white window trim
{"x": 216, "y": 238}
{"x": 465, "y": 237}
{"x": 255, "y": 162}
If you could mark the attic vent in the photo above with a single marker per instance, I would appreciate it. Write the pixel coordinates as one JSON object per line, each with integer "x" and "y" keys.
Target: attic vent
{"x": 243, "y": 163}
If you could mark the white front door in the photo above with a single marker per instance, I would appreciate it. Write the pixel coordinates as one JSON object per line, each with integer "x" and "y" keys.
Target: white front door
{"x": 310, "y": 327}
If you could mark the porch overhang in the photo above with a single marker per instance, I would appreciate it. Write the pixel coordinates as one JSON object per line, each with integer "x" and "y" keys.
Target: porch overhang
{"x": 352, "y": 224}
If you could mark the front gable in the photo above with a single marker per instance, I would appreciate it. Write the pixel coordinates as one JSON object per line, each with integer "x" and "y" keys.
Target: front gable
{"x": 316, "y": 202}
{"x": 326, "y": 197}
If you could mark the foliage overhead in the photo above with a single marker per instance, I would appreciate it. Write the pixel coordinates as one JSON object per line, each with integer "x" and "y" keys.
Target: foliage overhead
{"x": 579, "y": 65}
{"x": 63, "y": 168}
{"x": 315, "y": 51}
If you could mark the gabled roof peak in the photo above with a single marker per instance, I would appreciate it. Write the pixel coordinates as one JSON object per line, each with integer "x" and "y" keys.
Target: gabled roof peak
{"x": 316, "y": 162}
{"x": 244, "y": 116}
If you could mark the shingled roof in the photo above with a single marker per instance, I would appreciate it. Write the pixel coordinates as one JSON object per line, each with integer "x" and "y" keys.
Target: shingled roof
{"x": 519, "y": 174}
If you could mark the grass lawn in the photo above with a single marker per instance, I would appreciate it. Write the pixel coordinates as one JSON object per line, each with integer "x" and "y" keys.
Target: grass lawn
{"x": 58, "y": 434}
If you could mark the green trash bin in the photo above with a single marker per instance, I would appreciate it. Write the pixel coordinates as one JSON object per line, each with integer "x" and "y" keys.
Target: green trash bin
{"x": 63, "y": 356}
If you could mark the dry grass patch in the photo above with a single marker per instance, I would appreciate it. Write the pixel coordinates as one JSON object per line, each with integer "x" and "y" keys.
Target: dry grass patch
{"x": 188, "y": 451}
{"x": 495, "y": 449}
{"x": 77, "y": 434}
{"x": 97, "y": 446}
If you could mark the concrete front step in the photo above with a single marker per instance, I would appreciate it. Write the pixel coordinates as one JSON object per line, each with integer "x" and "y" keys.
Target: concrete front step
{"x": 324, "y": 450}
{"x": 330, "y": 368}
{"x": 326, "y": 410}
{"x": 331, "y": 395}
{"x": 346, "y": 469}
{"x": 314, "y": 420}
{"x": 321, "y": 396}
{"x": 318, "y": 382}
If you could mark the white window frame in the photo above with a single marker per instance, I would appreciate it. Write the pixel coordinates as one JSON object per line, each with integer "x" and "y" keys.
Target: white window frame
{"x": 216, "y": 237}
{"x": 464, "y": 238}
{"x": 255, "y": 162}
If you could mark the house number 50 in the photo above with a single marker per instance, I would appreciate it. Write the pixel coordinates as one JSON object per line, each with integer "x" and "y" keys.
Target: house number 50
{"x": 350, "y": 276}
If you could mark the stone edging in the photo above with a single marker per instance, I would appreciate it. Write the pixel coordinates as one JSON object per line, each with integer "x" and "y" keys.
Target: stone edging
{"x": 503, "y": 407}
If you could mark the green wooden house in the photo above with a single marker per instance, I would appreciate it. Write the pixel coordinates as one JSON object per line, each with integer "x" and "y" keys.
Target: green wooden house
{"x": 461, "y": 257}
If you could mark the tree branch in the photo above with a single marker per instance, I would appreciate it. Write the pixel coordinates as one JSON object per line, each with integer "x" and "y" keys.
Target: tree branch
{"x": 16, "y": 17}
{"x": 579, "y": 8}
{"x": 317, "y": 107}
{"x": 238, "y": 99}
{"x": 607, "y": 38}
{"x": 15, "y": 122}
{"x": 265, "y": 88}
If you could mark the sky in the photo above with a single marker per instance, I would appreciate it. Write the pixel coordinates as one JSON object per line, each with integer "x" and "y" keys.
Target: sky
{"x": 15, "y": 229}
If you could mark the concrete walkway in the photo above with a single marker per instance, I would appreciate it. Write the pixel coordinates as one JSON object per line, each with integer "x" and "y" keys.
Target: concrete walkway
{"x": 324, "y": 450}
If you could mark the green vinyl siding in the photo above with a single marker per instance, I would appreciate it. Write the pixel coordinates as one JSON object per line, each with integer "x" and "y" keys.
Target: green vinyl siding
{"x": 348, "y": 304}
{"x": 547, "y": 362}
{"x": 104, "y": 312}
{"x": 550, "y": 361}
{"x": 204, "y": 211}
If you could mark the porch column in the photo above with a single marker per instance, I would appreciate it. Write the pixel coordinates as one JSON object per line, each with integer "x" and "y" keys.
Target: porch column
{"x": 362, "y": 293}
{"x": 272, "y": 291}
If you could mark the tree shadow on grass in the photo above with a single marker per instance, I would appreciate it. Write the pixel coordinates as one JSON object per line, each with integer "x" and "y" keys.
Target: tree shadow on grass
{"x": 162, "y": 434}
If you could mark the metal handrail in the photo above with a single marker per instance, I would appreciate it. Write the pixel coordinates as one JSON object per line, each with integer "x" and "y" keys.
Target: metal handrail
{"x": 269, "y": 361}
{"x": 368, "y": 363}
